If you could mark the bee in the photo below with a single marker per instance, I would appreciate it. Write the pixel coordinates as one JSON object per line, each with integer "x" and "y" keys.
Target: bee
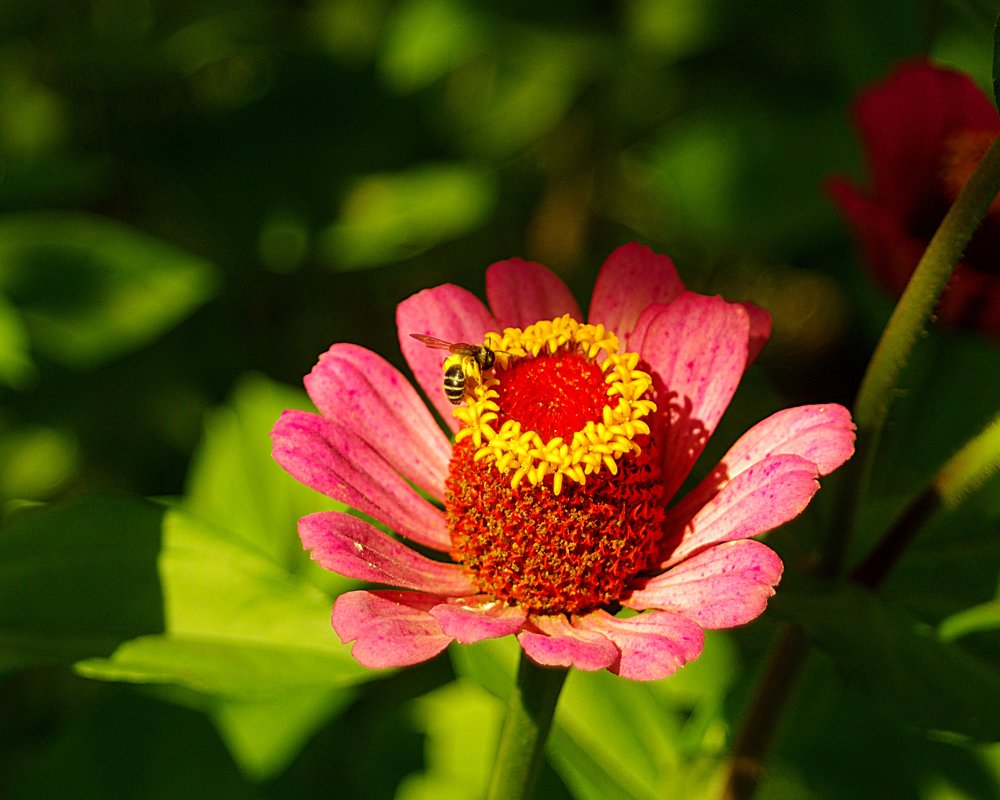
{"x": 456, "y": 374}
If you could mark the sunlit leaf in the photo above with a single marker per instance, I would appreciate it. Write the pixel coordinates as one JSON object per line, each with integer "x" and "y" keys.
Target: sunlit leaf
{"x": 388, "y": 217}
{"x": 146, "y": 594}
{"x": 235, "y": 622}
{"x": 636, "y": 739}
{"x": 34, "y": 461}
{"x": 16, "y": 367}
{"x": 521, "y": 93}
{"x": 90, "y": 289}
{"x": 425, "y": 39}
{"x": 236, "y": 484}
{"x": 979, "y": 619}
{"x": 971, "y": 466}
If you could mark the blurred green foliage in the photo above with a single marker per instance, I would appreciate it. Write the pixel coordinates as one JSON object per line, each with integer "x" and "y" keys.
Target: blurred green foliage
{"x": 196, "y": 199}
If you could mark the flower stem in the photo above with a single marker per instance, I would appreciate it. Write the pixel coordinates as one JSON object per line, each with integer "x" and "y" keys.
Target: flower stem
{"x": 530, "y": 709}
{"x": 925, "y": 286}
{"x": 881, "y": 379}
{"x": 878, "y": 386}
{"x": 770, "y": 698}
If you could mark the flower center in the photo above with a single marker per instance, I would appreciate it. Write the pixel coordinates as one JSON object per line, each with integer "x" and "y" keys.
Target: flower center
{"x": 553, "y": 499}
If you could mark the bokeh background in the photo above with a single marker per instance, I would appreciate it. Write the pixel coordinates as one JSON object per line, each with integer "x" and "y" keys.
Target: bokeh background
{"x": 198, "y": 198}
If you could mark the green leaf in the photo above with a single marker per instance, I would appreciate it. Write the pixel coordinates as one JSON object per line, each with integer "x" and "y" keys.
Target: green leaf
{"x": 426, "y": 39}
{"x": 236, "y": 484}
{"x": 78, "y": 579}
{"x": 265, "y": 736}
{"x": 908, "y": 672}
{"x": 832, "y": 722}
{"x": 388, "y": 217}
{"x": 90, "y": 289}
{"x": 236, "y": 623}
{"x": 35, "y": 461}
{"x": 84, "y": 742}
{"x": 16, "y": 367}
{"x": 971, "y": 466}
{"x": 619, "y": 738}
{"x": 461, "y": 722}
{"x": 978, "y": 619}
{"x": 135, "y": 592}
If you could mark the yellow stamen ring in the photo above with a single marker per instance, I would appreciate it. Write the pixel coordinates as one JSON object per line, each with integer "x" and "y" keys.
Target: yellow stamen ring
{"x": 599, "y": 445}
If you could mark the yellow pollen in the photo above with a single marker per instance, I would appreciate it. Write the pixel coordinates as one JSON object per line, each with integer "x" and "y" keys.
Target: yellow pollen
{"x": 599, "y": 445}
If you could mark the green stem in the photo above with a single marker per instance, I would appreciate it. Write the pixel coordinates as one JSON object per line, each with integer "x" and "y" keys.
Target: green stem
{"x": 880, "y": 561}
{"x": 879, "y": 385}
{"x": 932, "y": 273}
{"x": 881, "y": 380}
{"x": 530, "y": 709}
{"x": 774, "y": 688}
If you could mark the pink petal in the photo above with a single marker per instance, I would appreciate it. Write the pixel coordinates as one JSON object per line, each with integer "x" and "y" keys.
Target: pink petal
{"x": 726, "y": 585}
{"x": 823, "y": 434}
{"x": 646, "y": 318}
{"x": 768, "y": 494}
{"x": 389, "y": 628}
{"x": 696, "y": 348}
{"x": 558, "y": 644}
{"x": 362, "y": 390}
{"x": 632, "y": 278}
{"x": 472, "y": 623}
{"x": 520, "y": 293}
{"x": 350, "y": 546}
{"x": 652, "y": 645}
{"x": 335, "y": 461}
{"x": 446, "y": 312}
{"x": 760, "y": 330}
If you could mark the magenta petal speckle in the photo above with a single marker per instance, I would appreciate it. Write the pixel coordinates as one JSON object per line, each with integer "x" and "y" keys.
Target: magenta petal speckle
{"x": 390, "y": 628}
{"x": 385, "y": 410}
{"x": 472, "y": 623}
{"x": 697, "y": 349}
{"x": 350, "y": 546}
{"x": 721, "y": 587}
{"x": 522, "y": 292}
{"x": 651, "y": 646}
{"x": 333, "y": 460}
{"x": 555, "y": 642}
{"x": 632, "y": 279}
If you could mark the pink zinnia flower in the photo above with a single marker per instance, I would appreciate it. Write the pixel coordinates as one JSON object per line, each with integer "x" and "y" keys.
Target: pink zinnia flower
{"x": 555, "y": 502}
{"x": 924, "y": 130}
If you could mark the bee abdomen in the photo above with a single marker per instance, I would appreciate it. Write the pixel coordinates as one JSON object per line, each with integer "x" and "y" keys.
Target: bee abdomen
{"x": 454, "y": 384}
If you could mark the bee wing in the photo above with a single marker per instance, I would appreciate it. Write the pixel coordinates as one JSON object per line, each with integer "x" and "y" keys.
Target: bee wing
{"x": 432, "y": 341}
{"x": 440, "y": 344}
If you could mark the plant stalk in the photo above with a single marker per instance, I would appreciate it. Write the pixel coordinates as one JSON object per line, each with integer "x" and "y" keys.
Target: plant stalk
{"x": 530, "y": 709}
